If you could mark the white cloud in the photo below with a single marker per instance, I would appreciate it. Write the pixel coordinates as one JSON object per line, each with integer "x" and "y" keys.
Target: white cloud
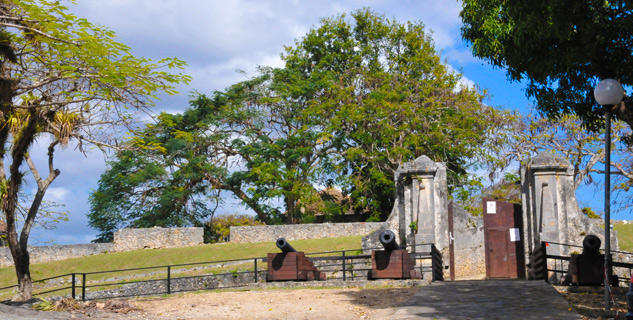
{"x": 466, "y": 83}
{"x": 57, "y": 194}
{"x": 463, "y": 82}
{"x": 460, "y": 56}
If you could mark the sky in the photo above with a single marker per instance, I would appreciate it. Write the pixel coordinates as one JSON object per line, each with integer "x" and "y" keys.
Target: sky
{"x": 218, "y": 38}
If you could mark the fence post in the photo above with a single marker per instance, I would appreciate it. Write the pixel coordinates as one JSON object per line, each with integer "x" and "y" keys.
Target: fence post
{"x": 343, "y": 265}
{"x": 73, "y": 286}
{"x": 544, "y": 253}
{"x": 433, "y": 263}
{"x": 255, "y": 260}
{"x": 83, "y": 287}
{"x": 168, "y": 279}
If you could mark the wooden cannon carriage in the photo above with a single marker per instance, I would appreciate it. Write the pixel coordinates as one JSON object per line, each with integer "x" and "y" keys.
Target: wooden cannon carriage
{"x": 393, "y": 262}
{"x": 290, "y": 265}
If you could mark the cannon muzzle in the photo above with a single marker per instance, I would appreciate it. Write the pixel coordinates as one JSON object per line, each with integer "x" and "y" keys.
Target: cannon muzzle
{"x": 388, "y": 240}
{"x": 591, "y": 245}
{"x": 284, "y": 246}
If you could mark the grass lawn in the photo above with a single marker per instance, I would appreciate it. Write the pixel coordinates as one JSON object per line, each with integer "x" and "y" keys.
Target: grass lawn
{"x": 625, "y": 236}
{"x": 164, "y": 257}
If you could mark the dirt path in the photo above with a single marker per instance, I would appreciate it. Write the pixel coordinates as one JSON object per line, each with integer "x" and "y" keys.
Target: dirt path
{"x": 357, "y": 303}
{"x": 297, "y": 303}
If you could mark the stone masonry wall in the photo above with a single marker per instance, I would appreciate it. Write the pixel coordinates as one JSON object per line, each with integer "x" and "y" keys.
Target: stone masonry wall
{"x": 42, "y": 254}
{"x": 470, "y": 258}
{"x": 246, "y": 234}
{"x": 155, "y": 238}
{"x": 124, "y": 240}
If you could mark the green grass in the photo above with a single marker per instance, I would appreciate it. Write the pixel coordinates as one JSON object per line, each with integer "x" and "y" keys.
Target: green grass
{"x": 163, "y": 257}
{"x": 625, "y": 236}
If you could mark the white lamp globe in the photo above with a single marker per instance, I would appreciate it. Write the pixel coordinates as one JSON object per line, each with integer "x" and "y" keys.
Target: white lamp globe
{"x": 608, "y": 92}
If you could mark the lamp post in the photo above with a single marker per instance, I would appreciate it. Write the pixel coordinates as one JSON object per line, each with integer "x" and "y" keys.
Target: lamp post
{"x": 608, "y": 93}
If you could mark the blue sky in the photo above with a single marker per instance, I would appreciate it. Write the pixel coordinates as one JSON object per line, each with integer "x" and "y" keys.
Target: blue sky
{"x": 217, "y": 38}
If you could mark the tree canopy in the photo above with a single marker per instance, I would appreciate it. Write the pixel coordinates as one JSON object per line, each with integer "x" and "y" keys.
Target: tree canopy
{"x": 389, "y": 98}
{"x": 525, "y": 136}
{"x": 251, "y": 141}
{"x": 357, "y": 96}
{"x": 62, "y": 80}
{"x": 560, "y": 48}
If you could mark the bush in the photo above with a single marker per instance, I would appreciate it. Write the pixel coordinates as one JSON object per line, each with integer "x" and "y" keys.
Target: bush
{"x": 217, "y": 230}
{"x": 590, "y": 213}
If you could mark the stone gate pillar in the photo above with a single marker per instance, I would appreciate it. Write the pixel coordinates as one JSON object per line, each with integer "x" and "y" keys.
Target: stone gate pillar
{"x": 545, "y": 191}
{"x": 422, "y": 199}
{"x": 550, "y": 210}
{"x": 425, "y": 202}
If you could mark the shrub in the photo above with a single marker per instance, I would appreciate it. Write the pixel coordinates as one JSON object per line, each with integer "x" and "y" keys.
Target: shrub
{"x": 590, "y": 213}
{"x": 217, "y": 229}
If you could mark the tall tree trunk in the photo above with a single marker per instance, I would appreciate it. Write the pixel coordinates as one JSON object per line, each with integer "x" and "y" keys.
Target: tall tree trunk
{"x": 22, "y": 270}
{"x": 21, "y": 259}
{"x": 291, "y": 208}
{"x": 19, "y": 246}
{"x": 19, "y": 253}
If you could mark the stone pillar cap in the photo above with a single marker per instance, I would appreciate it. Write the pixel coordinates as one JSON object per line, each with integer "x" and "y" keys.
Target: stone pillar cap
{"x": 547, "y": 160}
{"x": 421, "y": 164}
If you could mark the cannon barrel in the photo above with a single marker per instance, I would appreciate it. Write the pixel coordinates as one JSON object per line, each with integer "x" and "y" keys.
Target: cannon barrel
{"x": 388, "y": 240}
{"x": 284, "y": 246}
{"x": 591, "y": 245}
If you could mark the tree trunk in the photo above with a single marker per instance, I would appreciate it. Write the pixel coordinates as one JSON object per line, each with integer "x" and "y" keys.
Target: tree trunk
{"x": 17, "y": 246}
{"x": 21, "y": 261}
{"x": 290, "y": 208}
{"x": 25, "y": 285}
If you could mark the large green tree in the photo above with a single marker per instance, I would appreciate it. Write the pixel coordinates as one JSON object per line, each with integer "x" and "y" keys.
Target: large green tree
{"x": 389, "y": 98}
{"x": 254, "y": 141}
{"x": 560, "y": 48}
{"x": 357, "y": 96}
{"x": 62, "y": 80}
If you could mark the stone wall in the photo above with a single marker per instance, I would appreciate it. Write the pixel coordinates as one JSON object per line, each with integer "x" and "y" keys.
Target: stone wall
{"x": 42, "y": 254}
{"x": 124, "y": 240}
{"x": 246, "y": 234}
{"x": 209, "y": 282}
{"x": 470, "y": 257}
{"x": 155, "y": 238}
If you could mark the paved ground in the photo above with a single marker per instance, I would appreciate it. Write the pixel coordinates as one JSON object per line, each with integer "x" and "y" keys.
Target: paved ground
{"x": 490, "y": 299}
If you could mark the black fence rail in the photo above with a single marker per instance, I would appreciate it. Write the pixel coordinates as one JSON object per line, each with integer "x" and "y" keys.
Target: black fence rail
{"x": 342, "y": 265}
{"x": 539, "y": 261}
{"x": 437, "y": 265}
{"x": 553, "y": 268}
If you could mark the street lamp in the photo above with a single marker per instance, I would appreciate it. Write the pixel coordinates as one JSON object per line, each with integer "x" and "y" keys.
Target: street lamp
{"x": 608, "y": 93}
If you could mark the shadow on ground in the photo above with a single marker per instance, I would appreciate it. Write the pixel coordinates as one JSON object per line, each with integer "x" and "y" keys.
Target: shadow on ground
{"x": 381, "y": 298}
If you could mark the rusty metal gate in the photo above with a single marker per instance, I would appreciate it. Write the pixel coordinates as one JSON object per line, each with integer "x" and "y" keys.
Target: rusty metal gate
{"x": 503, "y": 237}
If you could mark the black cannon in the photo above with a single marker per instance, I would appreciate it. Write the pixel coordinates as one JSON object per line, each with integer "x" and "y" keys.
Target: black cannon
{"x": 284, "y": 246}
{"x": 587, "y": 268}
{"x": 290, "y": 265}
{"x": 591, "y": 245}
{"x": 388, "y": 240}
{"x": 393, "y": 262}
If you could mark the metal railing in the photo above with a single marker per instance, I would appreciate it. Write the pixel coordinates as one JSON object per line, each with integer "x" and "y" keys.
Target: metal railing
{"x": 342, "y": 265}
{"x": 560, "y": 264}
